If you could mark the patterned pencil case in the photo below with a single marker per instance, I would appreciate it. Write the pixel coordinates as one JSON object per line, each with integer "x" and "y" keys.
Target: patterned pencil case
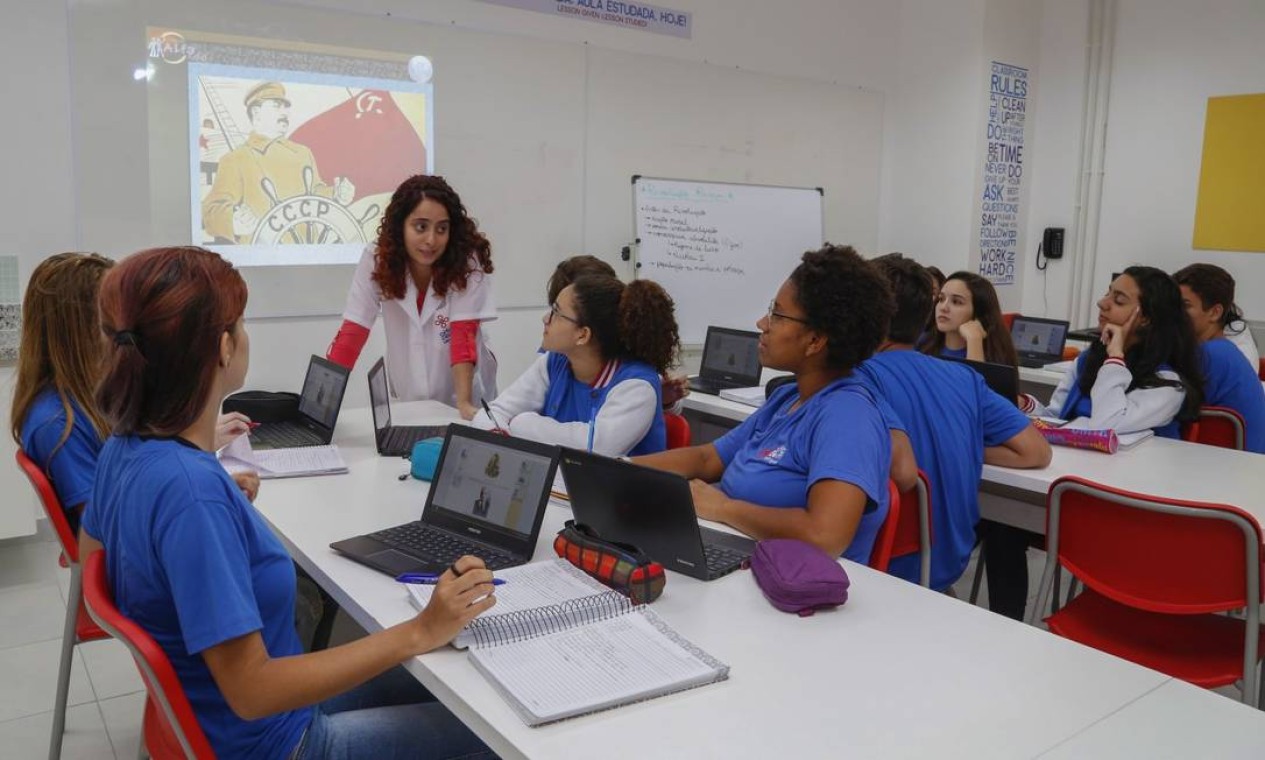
{"x": 623, "y": 567}
{"x": 1096, "y": 440}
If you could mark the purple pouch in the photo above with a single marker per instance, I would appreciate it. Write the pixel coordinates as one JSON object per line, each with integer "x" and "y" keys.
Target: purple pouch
{"x": 798, "y": 577}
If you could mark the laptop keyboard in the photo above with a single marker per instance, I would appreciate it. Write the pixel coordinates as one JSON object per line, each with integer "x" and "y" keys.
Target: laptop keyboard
{"x": 284, "y": 435}
{"x": 431, "y": 545}
{"x": 721, "y": 560}
{"x": 400, "y": 440}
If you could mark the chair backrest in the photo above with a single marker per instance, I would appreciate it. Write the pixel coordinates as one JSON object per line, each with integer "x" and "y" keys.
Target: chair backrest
{"x": 1260, "y": 368}
{"x": 913, "y": 530}
{"x": 678, "y": 430}
{"x": 174, "y": 726}
{"x": 1217, "y": 426}
{"x": 776, "y": 383}
{"x": 1008, "y": 318}
{"x": 52, "y": 505}
{"x": 1154, "y": 553}
{"x": 881, "y": 554}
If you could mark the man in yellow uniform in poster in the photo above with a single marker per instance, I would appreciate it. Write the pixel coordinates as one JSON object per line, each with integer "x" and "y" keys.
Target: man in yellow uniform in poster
{"x": 238, "y": 198}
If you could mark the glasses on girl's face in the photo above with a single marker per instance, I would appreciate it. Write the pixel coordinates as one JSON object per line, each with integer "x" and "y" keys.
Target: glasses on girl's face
{"x": 554, "y": 311}
{"x": 773, "y": 315}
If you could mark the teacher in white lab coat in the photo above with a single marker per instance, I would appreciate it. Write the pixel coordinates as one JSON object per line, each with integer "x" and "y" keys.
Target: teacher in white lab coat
{"x": 430, "y": 276}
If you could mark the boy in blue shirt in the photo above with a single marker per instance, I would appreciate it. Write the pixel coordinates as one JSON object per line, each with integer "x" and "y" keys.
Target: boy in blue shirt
{"x": 954, "y": 422}
{"x": 1229, "y": 380}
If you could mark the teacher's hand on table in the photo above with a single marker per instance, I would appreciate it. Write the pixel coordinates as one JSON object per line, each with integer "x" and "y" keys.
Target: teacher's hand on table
{"x": 458, "y": 598}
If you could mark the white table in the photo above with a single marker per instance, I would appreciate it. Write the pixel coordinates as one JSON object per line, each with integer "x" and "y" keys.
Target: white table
{"x": 899, "y": 671}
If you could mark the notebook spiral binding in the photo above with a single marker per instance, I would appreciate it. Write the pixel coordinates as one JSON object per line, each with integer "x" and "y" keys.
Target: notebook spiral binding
{"x": 529, "y": 624}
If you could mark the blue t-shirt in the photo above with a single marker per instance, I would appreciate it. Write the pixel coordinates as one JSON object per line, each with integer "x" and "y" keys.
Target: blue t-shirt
{"x": 950, "y": 415}
{"x": 193, "y": 563}
{"x": 570, "y": 400}
{"x": 72, "y": 467}
{"x": 1231, "y": 382}
{"x": 775, "y": 456}
{"x": 954, "y": 353}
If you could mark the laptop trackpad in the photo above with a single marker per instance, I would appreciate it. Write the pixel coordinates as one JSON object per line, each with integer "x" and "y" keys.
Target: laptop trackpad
{"x": 395, "y": 562}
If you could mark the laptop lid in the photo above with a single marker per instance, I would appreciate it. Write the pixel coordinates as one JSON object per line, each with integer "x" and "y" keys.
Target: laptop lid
{"x": 1037, "y": 338}
{"x": 379, "y": 400}
{"x": 322, "y": 395}
{"x": 491, "y": 488}
{"x": 1002, "y": 379}
{"x": 731, "y": 356}
{"x": 651, "y": 509}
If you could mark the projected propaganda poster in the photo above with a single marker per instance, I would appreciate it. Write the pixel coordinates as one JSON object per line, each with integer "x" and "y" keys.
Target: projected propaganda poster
{"x": 283, "y": 161}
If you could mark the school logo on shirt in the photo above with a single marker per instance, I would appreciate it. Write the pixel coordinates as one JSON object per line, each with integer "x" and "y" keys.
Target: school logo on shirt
{"x": 772, "y": 456}
{"x": 445, "y": 332}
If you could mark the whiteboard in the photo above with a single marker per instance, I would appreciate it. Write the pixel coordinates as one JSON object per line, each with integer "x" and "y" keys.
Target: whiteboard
{"x": 722, "y": 250}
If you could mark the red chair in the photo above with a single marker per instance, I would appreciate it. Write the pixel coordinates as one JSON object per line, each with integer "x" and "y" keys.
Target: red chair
{"x": 881, "y": 554}
{"x": 1260, "y": 369}
{"x": 1217, "y": 426}
{"x": 79, "y": 627}
{"x": 913, "y": 530}
{"x": 678, "y": 429}
{"x": 1156, "y": 573}
{"x": 1008, "y": 318}
{"x": 169, "y": 728}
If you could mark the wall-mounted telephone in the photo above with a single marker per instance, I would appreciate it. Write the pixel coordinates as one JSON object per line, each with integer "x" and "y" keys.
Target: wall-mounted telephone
{"x": 1052, "y": 243}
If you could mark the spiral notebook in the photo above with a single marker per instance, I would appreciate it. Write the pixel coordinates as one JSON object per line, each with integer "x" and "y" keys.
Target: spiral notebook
{"x": 589, "y": 650}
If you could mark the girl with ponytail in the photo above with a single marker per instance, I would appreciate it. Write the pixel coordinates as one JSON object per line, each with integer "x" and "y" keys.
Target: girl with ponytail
{"x": 597, "y": 386}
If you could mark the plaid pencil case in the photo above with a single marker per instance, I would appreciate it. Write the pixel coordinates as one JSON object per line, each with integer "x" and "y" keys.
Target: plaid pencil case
{"x": 623, "y": 567}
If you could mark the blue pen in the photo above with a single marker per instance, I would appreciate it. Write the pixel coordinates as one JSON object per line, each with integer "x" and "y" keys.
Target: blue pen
{"x": 430, "y": 579}
{"x": 592, "y": 427}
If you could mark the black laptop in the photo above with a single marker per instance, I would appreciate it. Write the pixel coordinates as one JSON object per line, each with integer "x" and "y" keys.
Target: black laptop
{"x": 319, "y": 402}
{"x": 1038, "y": 341}
{"x": 487, "y": 499}
{"x": 651, "y": 509}
{"x": 393, "y": 440}
{"x": 731, "y": 359}
{"x": 1002, "y": 379}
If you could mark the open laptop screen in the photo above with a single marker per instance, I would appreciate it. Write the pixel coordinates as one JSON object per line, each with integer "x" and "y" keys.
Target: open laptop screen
{"x": 1045, "y": 337}
{"x": 498, "y": 485}
{"x": 323, "y": 390}
{"x": 731, "y": 354}
{"x": 378, "y": 396}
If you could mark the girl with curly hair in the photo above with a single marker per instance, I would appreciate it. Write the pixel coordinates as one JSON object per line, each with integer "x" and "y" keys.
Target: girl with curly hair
{"x": 429, "y": 274}
{"x": 597, "y": 384}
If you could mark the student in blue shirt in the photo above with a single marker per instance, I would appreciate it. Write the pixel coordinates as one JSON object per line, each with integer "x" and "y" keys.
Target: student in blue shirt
{"x": 53, "y": 416}
{"x": 1229, "y": 380}
{"x": 954, "y": 421}
{"x": 192, "y": 562}
{"x": 597, "y": 385}
{"x": 813, "y": 462}
{"x": 968, "y": 323}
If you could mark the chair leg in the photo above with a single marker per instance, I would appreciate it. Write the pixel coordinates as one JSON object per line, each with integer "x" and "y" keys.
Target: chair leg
{"x": 1058, "y": 589}
{"x": 979, "y": 576}
{"x": 64, "y": 665}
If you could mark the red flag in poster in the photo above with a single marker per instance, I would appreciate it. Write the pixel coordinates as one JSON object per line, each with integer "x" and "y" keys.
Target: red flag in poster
{"x": 366, "y": 139}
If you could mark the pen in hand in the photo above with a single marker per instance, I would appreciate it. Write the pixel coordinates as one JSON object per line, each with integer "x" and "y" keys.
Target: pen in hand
{"x": 430, "y": 579}
{"x": 495, "y": 426}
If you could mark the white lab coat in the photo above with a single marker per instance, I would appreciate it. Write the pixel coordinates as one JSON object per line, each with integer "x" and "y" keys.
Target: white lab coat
{"x": 418, "y": 358}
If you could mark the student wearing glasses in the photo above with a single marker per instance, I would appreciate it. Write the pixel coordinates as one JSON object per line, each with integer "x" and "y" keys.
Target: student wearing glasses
{"x": 813, "y": 463}
{"x": 596, "y": 386}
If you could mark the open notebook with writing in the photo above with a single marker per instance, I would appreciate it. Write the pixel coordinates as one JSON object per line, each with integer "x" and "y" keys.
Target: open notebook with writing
{"x": 559, "y": 644}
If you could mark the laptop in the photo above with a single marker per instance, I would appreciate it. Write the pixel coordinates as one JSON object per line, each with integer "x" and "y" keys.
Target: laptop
{"x": 319, "y": 402}
{"x": 1002, "y": 379}
{"x": 652, "y": 510}
{"x": 487, "y": 499}
{"x": 393, "y": 440}
{"x": 1038, "y": 341}
{"x": 731, "y": 359}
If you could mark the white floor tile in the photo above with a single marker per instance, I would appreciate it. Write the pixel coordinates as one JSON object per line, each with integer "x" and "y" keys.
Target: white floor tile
{"x": 28, "y": 562}
{"x": 123, "y": 722}
{"x": 29, "y": 683}
{"x": 85, "y": 737}
{"x": 111, "y": 669}
{"x": 31, "y": 613}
